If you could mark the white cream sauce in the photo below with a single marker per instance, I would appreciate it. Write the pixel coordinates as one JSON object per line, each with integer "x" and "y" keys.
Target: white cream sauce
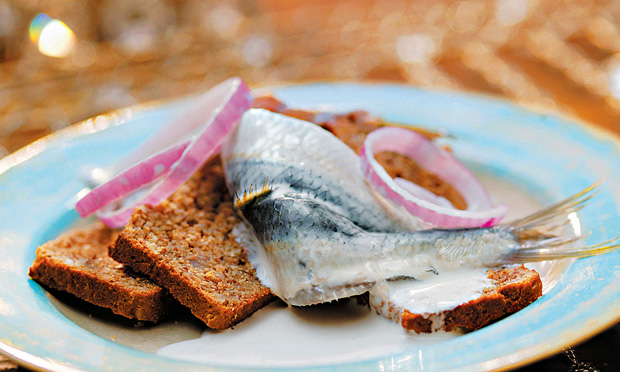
{"x": 438, "y": 293}
{"x": 280, "y": 335}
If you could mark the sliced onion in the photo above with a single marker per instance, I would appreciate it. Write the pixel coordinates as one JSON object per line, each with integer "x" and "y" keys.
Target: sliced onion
{"x": 130, "y": 180}
{"x": 422, "y": 193}
{"x": 207, "y": 125}
{"x": 480, "y": 210}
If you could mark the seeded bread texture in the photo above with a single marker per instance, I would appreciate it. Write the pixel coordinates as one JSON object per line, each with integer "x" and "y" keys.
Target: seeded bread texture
{"x": 513, "y": 289}
{"x": 186, "y": 244}
{"x": 77, "y": 262}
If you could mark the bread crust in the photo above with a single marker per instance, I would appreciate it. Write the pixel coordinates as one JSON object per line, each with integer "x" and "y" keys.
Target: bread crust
{"x": 514, "y": 288}
{"x": 186, "y": 245}
{"x": 77, "y": 262}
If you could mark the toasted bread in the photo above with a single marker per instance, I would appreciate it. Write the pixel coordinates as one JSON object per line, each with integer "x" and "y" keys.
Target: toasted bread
{"x": 186, "y": 245}
{"x": 513, "y": 289}
{"x": 77, "y": 262}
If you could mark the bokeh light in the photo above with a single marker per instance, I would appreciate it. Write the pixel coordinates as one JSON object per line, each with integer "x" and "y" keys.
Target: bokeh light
{"x": 9, "y": 19}
{"x": 52, "y": 36}
{"x": 614, "y": 79}
{"x": 226, "y": 21}
{"x": 257, "y": 51}
{"x": 510, "y": 12}
{"x": 414, "y": 48}
{"x": 36, "y": 26}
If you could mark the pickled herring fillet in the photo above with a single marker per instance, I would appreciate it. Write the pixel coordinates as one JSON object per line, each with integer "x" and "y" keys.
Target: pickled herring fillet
{"x": 328, "y": 236}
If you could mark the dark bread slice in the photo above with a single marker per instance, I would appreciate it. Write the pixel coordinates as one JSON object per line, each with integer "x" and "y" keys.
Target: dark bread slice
{"x": 514, "y": 288}
{"x": 77, "y": 262}
{"x": 186, "y": 244}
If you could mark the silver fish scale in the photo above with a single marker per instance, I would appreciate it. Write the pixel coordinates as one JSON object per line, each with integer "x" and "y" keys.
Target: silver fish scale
{"x": 285, "y": 179}
{"x": 294, "y": 154}
{"x": 321, "y": 252}
{"x": 305, "y": 240}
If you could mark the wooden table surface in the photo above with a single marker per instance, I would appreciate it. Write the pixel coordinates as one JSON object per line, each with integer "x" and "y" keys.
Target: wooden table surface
{"x": 561, "y": 56}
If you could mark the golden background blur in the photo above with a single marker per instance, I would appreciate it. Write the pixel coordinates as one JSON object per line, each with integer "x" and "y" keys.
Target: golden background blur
{"x": 62, "y": 62}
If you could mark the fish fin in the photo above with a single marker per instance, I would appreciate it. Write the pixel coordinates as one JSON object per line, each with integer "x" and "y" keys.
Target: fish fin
{"x": 252, "y": 195}
{"x": 552, "y": 217}
{"x": 542, "y": 236}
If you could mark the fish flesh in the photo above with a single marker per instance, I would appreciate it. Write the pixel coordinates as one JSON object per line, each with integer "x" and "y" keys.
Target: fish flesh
{"x": 328, "y": 235}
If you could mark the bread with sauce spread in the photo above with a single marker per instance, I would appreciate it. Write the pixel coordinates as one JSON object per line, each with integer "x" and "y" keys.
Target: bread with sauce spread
{"x": 512, "y": 289}
{"x": 77, "y": 262}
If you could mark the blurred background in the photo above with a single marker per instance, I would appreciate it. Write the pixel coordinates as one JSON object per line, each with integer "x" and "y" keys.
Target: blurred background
{"x": 62, "y": 61}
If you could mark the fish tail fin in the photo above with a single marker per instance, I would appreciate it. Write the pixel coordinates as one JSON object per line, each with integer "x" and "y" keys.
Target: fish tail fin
{"x": 542, "y": 235}
{"x": 252, "y": 195}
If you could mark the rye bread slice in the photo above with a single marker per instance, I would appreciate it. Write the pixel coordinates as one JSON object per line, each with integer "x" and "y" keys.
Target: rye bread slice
{"x": 186, "y": 244}
{"x": 77, "y": 262}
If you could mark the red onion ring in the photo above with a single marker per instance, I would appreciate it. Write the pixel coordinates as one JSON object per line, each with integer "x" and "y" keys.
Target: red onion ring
{"x": 216, "y": 115}
{"x": 480, "y": 211}
{"x": 131, "y": 179}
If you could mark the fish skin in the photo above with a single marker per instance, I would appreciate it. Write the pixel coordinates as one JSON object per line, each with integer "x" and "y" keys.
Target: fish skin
{"x": 320, "y": 255}
{"x": 290, "y": 179}
{"x": 325, "y": 232}
{"x": 296, "y": 156}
